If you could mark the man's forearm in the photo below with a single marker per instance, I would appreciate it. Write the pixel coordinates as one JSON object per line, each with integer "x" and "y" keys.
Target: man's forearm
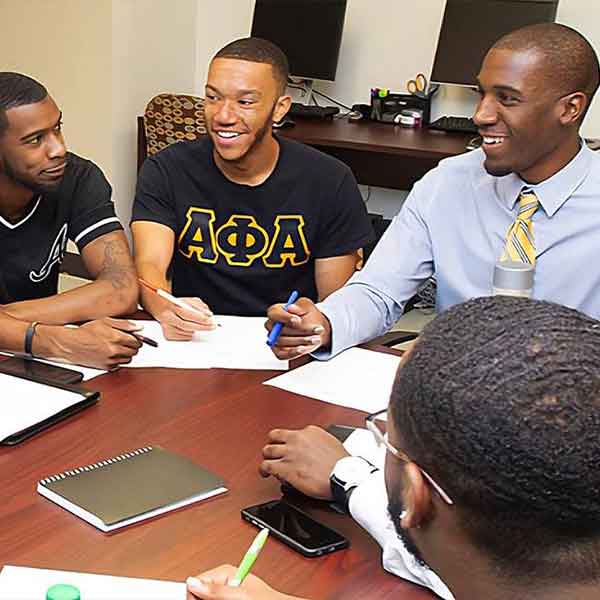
{"x": 357, "y": 313}
{"x": 156, "y": 277}
{"x": 104, "y": 297}
{"x": 12, "y": 336}
{"x": 12, "y": 333}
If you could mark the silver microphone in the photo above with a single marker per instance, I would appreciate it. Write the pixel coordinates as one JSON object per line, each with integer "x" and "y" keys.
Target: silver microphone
{"x": 513, "y": 278}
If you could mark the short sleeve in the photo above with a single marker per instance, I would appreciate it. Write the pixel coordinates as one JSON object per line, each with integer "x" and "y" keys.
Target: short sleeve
{"x": 345, "y": 225}
{"x": 93, "y": 211}
{"x": 152, "y": 197}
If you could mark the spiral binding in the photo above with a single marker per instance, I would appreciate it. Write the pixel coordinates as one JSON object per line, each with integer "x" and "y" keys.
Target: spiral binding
{"x": 97, "y": 465}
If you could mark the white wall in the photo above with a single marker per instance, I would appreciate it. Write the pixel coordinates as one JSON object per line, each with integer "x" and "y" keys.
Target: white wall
{"x": 65, "y": 44}
{"x": 153, "y": 51}
{"x": 218, "y": 22}
{"x": 584, "y": 16}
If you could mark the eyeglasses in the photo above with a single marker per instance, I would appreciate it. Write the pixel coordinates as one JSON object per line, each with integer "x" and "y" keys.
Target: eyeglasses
{"x": 377, "y": 427}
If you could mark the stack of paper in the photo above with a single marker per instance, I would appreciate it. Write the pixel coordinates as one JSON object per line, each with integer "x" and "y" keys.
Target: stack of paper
{"x": 237, "y": 343}
{"x": 22, "y": 583}
{"x": 356, "y": 378}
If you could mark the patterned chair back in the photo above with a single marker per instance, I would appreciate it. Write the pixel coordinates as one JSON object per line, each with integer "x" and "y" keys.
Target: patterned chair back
{"x": 171, "y": 118}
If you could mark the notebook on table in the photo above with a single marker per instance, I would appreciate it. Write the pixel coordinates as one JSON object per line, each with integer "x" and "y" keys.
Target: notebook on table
{"x": 131, "y": 487}
{"x": 30, "y": 405}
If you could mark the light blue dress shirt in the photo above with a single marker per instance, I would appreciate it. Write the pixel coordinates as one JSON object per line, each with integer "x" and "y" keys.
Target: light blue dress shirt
{"x": 454, "y": 224}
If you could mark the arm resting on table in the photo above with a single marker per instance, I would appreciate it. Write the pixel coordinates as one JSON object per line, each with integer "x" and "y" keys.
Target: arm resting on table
{"x": 113, "y": 292}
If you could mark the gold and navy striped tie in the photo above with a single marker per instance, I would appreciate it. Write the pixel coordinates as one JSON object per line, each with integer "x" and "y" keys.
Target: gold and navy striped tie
{"x": 520, "y": 245}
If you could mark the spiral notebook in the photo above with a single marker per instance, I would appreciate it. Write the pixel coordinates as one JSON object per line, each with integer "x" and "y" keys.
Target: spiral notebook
{"x": 132, "y": 487}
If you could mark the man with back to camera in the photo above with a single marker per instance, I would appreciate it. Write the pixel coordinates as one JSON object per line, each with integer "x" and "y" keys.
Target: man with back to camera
{"x": 242, "y": 216}
{"x": 47, "y": 196}
{"x": 491, "y": 463}
{"x": 536, "y": 85}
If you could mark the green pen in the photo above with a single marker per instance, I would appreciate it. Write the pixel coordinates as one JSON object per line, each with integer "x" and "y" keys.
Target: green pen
{"x": 249, "y": 558}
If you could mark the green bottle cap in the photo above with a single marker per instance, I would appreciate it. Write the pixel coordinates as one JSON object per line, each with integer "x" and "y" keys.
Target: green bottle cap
{"x": 63, "y": 592}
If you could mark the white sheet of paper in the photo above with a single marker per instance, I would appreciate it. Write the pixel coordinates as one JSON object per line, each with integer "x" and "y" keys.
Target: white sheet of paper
{"x": 25, "y": 403}
{"x": 176, "y": 355}
{"x": 241, "y": 343}
{"x": 238, "y": 343}
{"x": 356, "y": 378}
{"x": 24, "y": 583}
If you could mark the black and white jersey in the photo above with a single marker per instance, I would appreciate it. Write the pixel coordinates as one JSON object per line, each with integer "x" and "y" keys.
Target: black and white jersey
{"x": 31, "y": 250}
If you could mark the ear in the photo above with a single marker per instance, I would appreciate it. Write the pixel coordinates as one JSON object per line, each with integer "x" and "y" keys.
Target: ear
{"x": 418, "y": 507}
{"x": 282, "y": 105}
{"x": 573, "y": 107}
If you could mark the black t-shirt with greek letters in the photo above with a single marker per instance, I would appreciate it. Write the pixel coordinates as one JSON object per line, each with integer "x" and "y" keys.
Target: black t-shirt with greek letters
{"x": 242, "y": 248}
{"x": 79, "y": 209}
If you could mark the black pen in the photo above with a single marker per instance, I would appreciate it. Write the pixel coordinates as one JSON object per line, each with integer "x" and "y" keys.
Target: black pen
{"x": 143, "y": 339}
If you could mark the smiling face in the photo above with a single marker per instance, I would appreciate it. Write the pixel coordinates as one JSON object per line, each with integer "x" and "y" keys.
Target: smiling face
{"x": 32, "y": 149}
{"x": 527, "y": 126}
{"x": 242, "y": 101}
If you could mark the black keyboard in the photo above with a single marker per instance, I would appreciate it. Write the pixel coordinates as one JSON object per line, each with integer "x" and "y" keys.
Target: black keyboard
{"x": 459, "y": 124}
{"x": 306, "y": 111}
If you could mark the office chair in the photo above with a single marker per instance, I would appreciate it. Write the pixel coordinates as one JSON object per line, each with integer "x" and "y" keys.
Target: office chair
{"x": 168, "y": 119}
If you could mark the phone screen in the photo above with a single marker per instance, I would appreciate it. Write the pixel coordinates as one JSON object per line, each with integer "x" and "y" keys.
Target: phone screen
{"x": 39, "y": 370}
{"x": 292, "y": 523}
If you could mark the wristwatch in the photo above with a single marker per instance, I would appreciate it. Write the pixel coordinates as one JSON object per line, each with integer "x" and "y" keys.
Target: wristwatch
{"x": 347, "y": 474}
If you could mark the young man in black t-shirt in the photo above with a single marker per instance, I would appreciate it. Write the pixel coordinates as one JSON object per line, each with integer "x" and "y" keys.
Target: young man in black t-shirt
{"x": 242, "y": 217}
{"x": 48, "y": 196}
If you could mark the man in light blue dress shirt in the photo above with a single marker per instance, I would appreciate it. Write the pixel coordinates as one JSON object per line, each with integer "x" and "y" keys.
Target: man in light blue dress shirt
{"x": 536, "y": 85}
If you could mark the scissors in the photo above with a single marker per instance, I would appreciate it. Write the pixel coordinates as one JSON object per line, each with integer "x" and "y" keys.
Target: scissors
{"x": 417, "y": 86}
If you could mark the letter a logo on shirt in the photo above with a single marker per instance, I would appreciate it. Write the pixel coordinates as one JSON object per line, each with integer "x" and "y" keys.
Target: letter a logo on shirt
{"x": 55, "y": 255}
{"x": 289, "y": 243}
{"x": 241, "y": 240}
{"x": 198, "y": 235}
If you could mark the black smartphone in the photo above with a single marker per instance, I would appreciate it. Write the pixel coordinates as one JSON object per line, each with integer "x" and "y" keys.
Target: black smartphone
{"x": 39, "y": 370}
{"x": 295, "y": 528}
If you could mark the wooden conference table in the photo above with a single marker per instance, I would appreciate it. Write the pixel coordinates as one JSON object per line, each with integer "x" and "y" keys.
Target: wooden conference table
{"x": 220, "y": 419}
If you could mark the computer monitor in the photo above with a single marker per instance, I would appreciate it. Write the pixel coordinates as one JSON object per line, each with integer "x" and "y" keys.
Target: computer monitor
{"x": 471, "y": 27}
{"x": 308, "y": 31}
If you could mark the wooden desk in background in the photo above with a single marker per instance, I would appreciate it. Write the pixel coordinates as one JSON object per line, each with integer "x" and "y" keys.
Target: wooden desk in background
{"x": 379, "y": 154}
{"x": 220, "y": 419}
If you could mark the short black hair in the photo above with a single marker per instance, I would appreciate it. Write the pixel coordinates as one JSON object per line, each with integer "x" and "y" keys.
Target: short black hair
{"x": 254, "y": 49}
{"x": 571, "y": 64}
{"x": 16, "y": 90}
{"x": 500, "y": 402}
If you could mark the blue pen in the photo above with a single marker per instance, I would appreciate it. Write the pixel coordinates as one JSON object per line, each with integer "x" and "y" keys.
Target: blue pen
{"x": 272, "y": 337}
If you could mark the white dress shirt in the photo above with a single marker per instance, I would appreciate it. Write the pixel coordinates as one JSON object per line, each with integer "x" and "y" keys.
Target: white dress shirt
{"x": 454, "y": 224}
{"x": 368, "y": 506}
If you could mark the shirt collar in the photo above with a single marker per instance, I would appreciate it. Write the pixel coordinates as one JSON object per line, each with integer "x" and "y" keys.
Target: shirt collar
{"x": 553, "y": 192}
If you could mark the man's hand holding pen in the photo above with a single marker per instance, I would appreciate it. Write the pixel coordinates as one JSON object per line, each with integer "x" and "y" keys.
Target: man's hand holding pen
{"x": 305, "y": 328}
